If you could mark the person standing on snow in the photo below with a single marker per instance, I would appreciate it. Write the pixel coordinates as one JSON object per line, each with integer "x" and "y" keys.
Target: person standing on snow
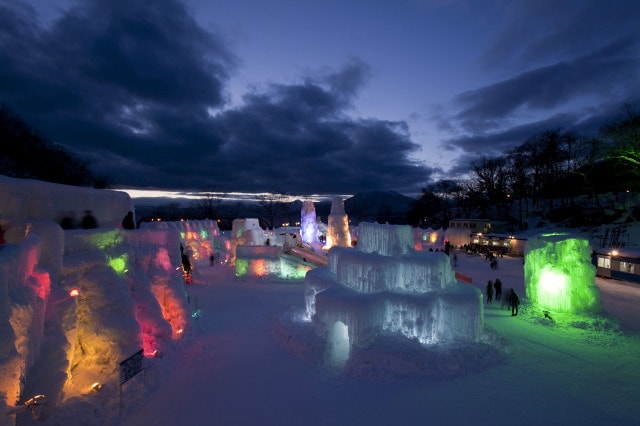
{"x": 128, "y": 222}
{"x": 88, "y": 221}
{"x": 497, "y": 285}
{"x": 514, "y": 301}
{"x": 489, "y": 291}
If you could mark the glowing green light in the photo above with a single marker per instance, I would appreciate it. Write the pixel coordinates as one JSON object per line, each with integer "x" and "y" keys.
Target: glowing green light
{"x": 105, "y": 240}
{"x": 553, "y": 290}
{"x": 293, "y": 271}
{"x": 203, "y": 234}
{"x": 242, "y": 267}
{"x": 182, "y": 235}
{"x": 119, "y": 264}
{"x": 559, "y": 275}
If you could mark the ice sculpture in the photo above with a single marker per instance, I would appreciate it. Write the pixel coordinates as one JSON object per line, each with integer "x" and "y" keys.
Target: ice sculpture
{"x": 308, "y": 224}
{"x": 386, "y": 286}
{"x": 245, "y": 232}
{"x": 338, "y": 226}
{"x": 201, "y": 236}
{"x": 259, "y": 261}
{"x": 558, "y": 274}
{"x": 253, "y": 257}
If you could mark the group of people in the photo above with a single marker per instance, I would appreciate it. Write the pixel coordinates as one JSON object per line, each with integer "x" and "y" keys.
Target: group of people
{"x": 88, "y": 221}
{"x": 495, "y": 288}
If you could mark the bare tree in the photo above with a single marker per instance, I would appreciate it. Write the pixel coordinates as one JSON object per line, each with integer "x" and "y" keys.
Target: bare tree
{"x": 624, "y": 139}
{"x": 270, "y": 206}
{"x": 209, "y": 205}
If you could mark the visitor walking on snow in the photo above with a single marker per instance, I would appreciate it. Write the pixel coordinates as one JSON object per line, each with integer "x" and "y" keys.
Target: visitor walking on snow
{"x": 489, "y": 291}
{"x": 497, "y": 285}
{"x": 514, "y": 301}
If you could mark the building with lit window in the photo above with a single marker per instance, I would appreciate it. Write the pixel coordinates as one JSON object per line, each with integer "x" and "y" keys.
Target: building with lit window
{"x": 619, "y": 263}
{"x": 473, "y": 225}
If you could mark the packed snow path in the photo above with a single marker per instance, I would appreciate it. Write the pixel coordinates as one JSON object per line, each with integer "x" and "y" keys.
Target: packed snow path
{"x": 230, "y": 371}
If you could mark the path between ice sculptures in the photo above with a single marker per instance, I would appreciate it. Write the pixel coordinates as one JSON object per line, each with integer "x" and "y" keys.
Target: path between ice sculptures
{"x": 230, "y": 371}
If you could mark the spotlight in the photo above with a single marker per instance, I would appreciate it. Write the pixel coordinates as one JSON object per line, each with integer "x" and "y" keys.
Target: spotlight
{"x": 96, "y": 386}
{"x": 74, "y": 292}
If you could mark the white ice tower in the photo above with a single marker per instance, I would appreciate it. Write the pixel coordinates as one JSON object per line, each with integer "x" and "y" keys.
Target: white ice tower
{"x": 338, "y": 226}
{"x": 386, "y": 286}
{"x": 308, "y": 224}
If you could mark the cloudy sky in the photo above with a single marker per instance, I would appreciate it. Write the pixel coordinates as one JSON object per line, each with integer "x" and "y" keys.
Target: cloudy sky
{"x": 310, "y": 97}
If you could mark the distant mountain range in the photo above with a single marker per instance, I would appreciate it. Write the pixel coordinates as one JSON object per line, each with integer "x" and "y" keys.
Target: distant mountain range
{"x": 370, "y": 206}
{"x": 380, "y": 206}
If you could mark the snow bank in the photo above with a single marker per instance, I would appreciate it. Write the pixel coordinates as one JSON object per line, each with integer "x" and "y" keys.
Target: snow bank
{"x": 22, "y": 199}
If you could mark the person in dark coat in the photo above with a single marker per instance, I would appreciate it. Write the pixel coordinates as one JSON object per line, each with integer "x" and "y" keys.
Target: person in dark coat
{"x": 514, "y": 301}
{"x": 186, "y": 264}
{"x": 88, "y": 221}
{"x": 497, "y": 285}
{"x": 128, "y": 222}
{"x": 489, "y": 291}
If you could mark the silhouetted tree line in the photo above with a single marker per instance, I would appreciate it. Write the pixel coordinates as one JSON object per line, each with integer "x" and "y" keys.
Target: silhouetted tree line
{"x": 555, "y": 171}
{"x": 27, "y": 154}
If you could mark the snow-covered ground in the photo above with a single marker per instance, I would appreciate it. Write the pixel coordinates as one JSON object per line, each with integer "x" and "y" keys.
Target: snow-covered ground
{"x": 232, "y": 368}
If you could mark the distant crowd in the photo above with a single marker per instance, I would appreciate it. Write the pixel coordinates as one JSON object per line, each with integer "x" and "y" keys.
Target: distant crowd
{"x": 89, "y": 221}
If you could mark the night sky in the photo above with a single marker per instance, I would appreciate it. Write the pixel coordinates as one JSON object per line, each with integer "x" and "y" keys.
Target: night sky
{"x": 310, "y": 97}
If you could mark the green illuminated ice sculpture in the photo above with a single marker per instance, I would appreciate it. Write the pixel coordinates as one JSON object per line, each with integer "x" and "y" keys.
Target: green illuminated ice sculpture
{"x": 559, "y": 276}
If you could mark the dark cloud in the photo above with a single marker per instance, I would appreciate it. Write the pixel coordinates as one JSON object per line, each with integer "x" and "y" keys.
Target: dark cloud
{"x": 498, "y": 143}
{"x": 137, "y": 88}
{"x": 569, "y": 65}
{"x": 542, "y": 32}
{"x": 600, "y": 73}
{"x": 299, "y": 138}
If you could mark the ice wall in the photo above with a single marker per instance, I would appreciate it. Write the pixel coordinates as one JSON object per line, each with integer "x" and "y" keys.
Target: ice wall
{"x": 130, "y": 297}
{"x": 338, "y": 226}
{"x": 429, "y": 238}
{"x": 26, "y": 199}
{"x": 201, "y": 237}
{"x": 24, "y": 291}
{"x": 403, "y": 291}
{"x": 308, "y": 224}
{"x": 385, "y": 240}
{"x": 260, "y": 261}
{"x": 559, "y": 275}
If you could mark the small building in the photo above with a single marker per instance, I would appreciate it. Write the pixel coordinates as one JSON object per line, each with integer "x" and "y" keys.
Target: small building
{"x": 619, "y": 263}
{"x": 473, "y": 225}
